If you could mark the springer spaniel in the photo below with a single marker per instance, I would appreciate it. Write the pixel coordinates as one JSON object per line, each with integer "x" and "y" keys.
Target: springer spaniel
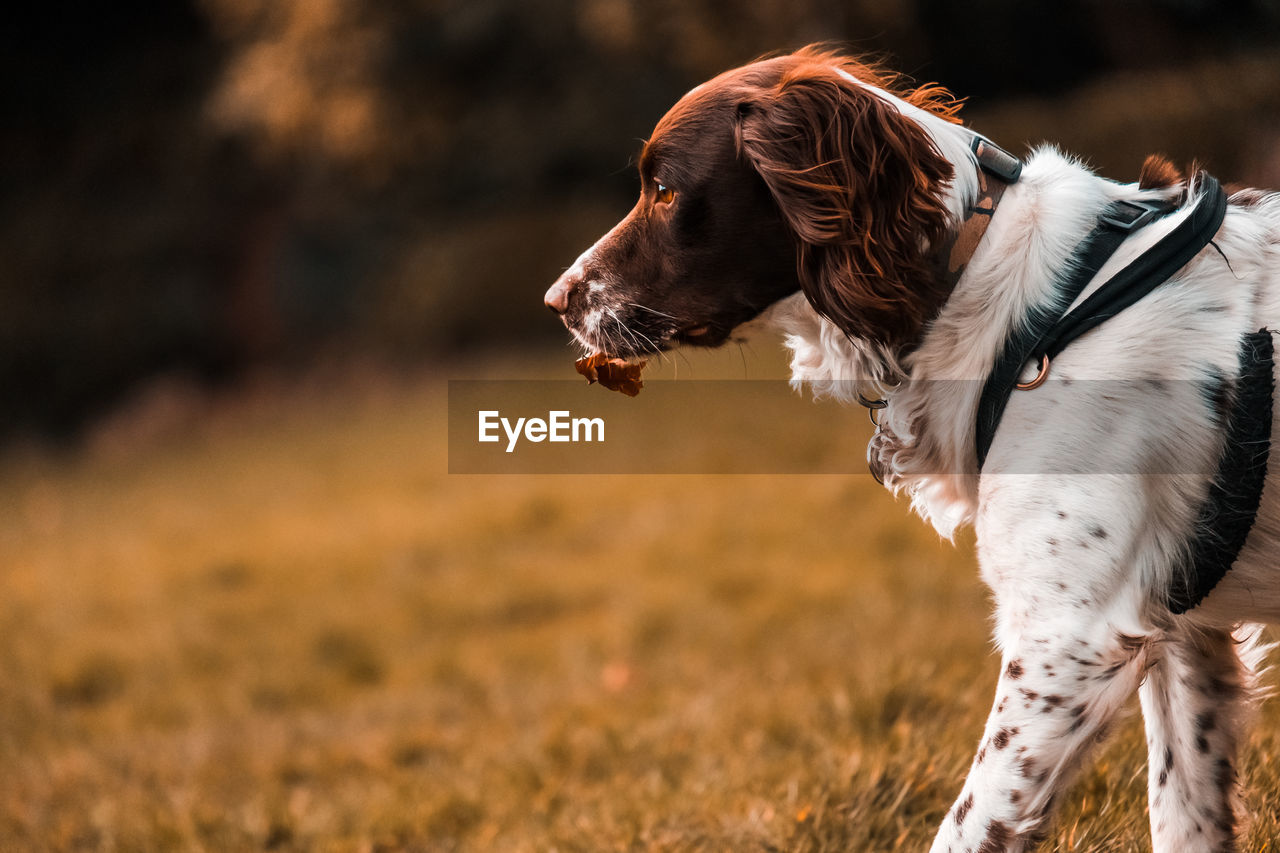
{"x": 812, "y": 189}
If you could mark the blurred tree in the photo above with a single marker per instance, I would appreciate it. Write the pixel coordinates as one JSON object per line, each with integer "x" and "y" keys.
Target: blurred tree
{"x": 205, "y": 185}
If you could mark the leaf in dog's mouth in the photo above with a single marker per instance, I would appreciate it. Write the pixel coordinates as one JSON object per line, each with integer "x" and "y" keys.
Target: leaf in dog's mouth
{"x": 613, "y": 373}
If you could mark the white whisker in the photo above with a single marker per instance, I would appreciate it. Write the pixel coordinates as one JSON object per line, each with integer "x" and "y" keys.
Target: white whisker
{"x": 652, "y": 310}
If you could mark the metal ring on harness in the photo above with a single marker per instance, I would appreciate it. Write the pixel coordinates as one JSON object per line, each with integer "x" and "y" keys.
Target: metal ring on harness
{"x": 872, "y": 406}
{"x": 1040, "y": 377}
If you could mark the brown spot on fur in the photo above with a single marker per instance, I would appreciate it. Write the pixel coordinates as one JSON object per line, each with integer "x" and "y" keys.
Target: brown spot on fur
{"x": 1222, "y": 688}
{"x": 1114, "y": 668}
{"x": 1226, "y": 774}
{"x": 1159, "y": 172}
{"x": 1168, "y": 766}
{"x": 1014, "y": 669}
{"x": 1130, "y": 643}
{"x": 998, "y": 837}
{"x": 962, "y": 810}
{"x": 1001, "y": 738}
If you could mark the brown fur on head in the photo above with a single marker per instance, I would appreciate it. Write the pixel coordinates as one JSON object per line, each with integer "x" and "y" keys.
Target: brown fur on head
{"x": 782, "y": 175}
{"x": 860, "y": 187}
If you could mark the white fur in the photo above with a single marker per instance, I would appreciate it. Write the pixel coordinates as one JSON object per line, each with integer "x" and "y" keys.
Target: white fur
{"x": 1083, "y": 508}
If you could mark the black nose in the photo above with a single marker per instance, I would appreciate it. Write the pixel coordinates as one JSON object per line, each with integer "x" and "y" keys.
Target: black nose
{"x": 557, "y": 298}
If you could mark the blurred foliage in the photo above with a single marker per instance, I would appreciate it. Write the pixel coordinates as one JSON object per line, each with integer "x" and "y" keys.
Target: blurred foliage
{"x": 210, "y": 185}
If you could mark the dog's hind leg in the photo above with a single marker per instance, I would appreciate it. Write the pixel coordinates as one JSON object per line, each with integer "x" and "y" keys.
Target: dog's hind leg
{"x": 1195, "y": 703}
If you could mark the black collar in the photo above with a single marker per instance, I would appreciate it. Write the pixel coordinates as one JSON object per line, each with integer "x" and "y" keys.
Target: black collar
{"x": 997, "y": 171}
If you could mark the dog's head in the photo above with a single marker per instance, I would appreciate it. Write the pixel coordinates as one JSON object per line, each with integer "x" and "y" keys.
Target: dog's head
{"x": 791, "y": 173}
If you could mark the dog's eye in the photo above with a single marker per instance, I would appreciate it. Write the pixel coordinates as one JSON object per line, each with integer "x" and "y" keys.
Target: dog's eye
{"x": 666, "y": 195}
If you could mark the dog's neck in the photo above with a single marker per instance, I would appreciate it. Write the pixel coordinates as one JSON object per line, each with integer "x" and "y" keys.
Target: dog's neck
{"x": 856, "y": 369}
{"x": 1012, "y": 270}
{"x": 981, "y": 172}
{"x": 993, "y": 171}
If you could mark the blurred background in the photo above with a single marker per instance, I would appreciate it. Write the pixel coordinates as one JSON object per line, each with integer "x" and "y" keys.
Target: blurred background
{"x": 200, "y": 188}
{"x": 243, "y": 244}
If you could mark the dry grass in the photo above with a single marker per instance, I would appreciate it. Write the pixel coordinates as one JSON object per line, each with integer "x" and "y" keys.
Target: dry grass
{"x": 279, "y": 624}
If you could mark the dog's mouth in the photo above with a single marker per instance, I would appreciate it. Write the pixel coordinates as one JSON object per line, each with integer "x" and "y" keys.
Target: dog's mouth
{"x": 637, "y": 339}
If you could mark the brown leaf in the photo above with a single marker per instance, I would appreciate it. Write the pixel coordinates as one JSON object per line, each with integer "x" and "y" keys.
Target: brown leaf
{"x": 613, "y": 373}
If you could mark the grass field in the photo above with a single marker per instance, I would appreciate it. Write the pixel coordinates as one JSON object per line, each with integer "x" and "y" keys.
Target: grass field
{"x": 272, "y": 620}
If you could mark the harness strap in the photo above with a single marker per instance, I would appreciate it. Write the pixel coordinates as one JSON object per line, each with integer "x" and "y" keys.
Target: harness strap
{"x": 1229, "y": 510}
{"x": 1047, "y": 331}
{"x": 1154, "y": 267}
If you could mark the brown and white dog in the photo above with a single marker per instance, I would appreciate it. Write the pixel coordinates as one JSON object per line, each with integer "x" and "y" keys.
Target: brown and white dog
{"x": 812, "y": 189}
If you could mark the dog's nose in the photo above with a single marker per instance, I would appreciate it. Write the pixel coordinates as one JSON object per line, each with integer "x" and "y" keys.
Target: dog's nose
{"x": 557, "y": 298}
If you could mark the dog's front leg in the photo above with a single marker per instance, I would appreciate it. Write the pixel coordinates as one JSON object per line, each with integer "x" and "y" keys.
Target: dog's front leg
{"x": 1058, "y": 692}
{"x": 1074, "y": 642}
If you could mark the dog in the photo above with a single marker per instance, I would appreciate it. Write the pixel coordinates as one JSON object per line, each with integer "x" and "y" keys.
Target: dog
{"x": 820, "y": 193}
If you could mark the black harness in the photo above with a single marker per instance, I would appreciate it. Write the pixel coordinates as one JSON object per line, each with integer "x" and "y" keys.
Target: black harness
{"x": 1047, "y": 332}
{"x": 1229, "y": 510}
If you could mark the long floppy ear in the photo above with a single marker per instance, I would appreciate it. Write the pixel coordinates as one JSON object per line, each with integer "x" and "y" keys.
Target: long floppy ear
{"x": 861, "y": 187}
